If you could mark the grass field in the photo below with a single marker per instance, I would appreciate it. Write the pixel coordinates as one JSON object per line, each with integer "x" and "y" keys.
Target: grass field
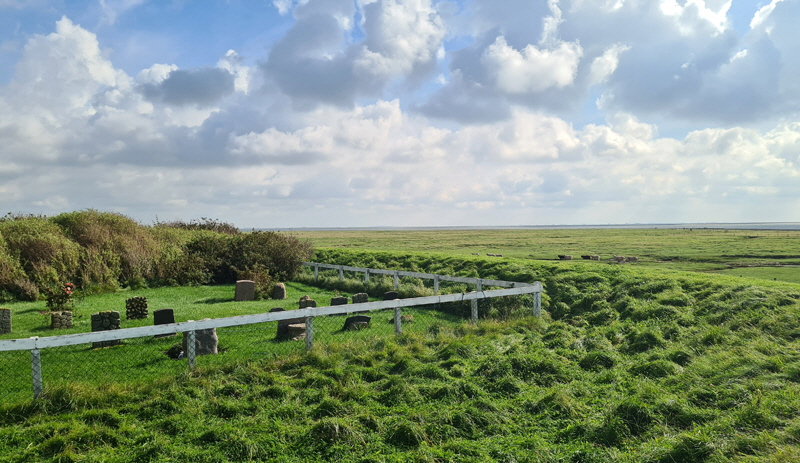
{"x": 697, "y": 249}
{"x": 630, "y": 363}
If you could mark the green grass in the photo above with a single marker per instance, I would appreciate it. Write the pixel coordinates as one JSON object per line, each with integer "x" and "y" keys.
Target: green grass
{"x": 630, "y": 363}
{"x": 700, "y": 250}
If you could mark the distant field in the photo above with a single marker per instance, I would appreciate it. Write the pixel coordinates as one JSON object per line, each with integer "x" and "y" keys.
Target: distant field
{"x": 691, "y": 249}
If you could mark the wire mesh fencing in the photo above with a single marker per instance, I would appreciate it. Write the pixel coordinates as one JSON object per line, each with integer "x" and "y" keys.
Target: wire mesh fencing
{"x": 115, "y": 358}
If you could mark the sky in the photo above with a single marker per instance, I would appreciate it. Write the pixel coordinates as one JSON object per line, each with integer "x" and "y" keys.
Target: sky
{"x": 356, "y": 113}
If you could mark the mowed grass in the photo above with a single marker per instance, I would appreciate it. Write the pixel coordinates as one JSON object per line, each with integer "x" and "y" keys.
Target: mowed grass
{"x": 140, "y": 360}
{"x": 695, "y": 249}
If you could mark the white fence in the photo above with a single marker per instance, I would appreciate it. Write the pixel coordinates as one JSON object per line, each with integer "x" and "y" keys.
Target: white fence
{"x": 35, "y": 344}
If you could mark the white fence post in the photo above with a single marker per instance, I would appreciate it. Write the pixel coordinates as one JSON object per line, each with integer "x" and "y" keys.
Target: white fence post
{"x": 316, "y": 272}
{"x": 366, "y": 275}
{"x": 398, "y": 322}
{"x": 190, "y": 345}
{"x": 341, "y": 273}
{"x": 36, "y": 371}
{"x": 396, "y": 279}
{"x": 436, "y": 284}
{"x": 479, "y": 284}
{"x": 537, "y": 304}
{"x": 474, "y": 306}
{"x": 309, "y": 333}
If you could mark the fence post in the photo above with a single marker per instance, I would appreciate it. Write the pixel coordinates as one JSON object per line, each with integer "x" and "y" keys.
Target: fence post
{"x": 190, "y": 345}
{"x": 341, "y": 273}
{"x": 366, "y": 275}
{"x": 537, "y": 304}
{"x": 474, "y": 306}
{"x": 479, "y": 284}
{"x": 309, "y": 333}
{"x": 316, "y": 272}
{"x": 436, "y": 284}
{"x": 36, "y": 371}
{"x": 396, "y": 279}
{"x": 398, "y": 325}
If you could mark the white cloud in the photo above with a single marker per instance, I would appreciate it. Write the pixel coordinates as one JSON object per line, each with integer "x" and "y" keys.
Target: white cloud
{"x": 532, "y": 70}
{"x": 332, "y": 129}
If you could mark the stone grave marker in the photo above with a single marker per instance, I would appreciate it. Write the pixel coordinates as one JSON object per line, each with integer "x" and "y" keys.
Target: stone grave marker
{"x": 60, "y": 320}
{"x": 356, "y": 322}
{"x": 279, "y": 291}
{"x": 105, "y": 321}
{"x": 164, "y": 317}
{"x": 339, "y": 300}
{"x": 136, "y": 308}
{"x": 245, "y": 290}
{"x": 358, "y": 298}
{"x": 205, "y": 341}
{"x": 5, "y": 321}
{"x": 390, "y": 295}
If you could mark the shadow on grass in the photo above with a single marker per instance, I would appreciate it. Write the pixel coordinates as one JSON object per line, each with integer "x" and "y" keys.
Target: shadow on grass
{"x": 214, "y": 300}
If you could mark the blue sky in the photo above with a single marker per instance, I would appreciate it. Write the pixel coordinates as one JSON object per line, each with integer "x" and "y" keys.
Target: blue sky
{"x": 292, "y": 113}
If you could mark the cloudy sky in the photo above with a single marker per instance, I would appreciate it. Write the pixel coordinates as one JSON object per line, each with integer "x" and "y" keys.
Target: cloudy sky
{"x": 338, "y": 113}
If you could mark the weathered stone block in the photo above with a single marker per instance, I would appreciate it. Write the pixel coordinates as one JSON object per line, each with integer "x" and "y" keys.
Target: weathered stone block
{"x": 136, "y": 308}
{"x": 279, "y": 291}
{"x": 360, "y": 298}
{"x": 104, "y": 321}
{"x": 245, "y": 290}
{"x": 206, "y": 342}
{"x": 5, "y": 321}
{"x": 339, "y": 300}
{"x": 164, "y": 317}
{"x": 60, "y": 320}
{"x": 390, "y": 295}
{"x": 356, "y": 322}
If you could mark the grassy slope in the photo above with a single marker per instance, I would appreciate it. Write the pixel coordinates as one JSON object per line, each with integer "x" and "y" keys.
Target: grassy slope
{"x": 631, "y": 364}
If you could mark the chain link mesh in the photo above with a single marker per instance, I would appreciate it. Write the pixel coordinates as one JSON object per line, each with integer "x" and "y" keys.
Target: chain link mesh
{"x": 147, "y": 359}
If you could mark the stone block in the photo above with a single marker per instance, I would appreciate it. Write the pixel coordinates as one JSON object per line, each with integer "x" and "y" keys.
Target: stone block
{"x": 136, "y": 308}
{"x": 245, "y": 290}
{"x": 206, "y": 342}
{"x": 390, "y": 295}
{"x": 164, "y": 317}
{"x": 360, "y": 298}
{"x": 340, "y": 300}
{"x": 356, "y": 322}
{"x": 105, "y": 321}
{"x": 60, "y": 320}
{"x": 279, "y": 291}
{"x": 5, "y": 321}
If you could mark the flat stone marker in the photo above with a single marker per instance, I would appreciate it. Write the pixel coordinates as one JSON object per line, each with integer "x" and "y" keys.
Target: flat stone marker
{"x": 279, "y": 291}
{"x": 360, "y": 297}
{"x": 340, "y": 300}
{"x": 164, "y": 317}
{"x": 245, "y": 290}
{"x": 356, "y": 322}
{"x": 5, "y": 321}
{"x": 293, "y": 328}
{"x": 105, "y": 321}
{"x": 390, "y": 295}
{"x": 205, "y": 341}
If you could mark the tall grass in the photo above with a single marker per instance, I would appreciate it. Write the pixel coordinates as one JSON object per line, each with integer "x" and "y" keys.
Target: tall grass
{"x": 103, "y": 251}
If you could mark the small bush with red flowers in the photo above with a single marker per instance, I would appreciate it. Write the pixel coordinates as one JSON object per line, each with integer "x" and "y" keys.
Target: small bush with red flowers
{"x": 61, "y": 298}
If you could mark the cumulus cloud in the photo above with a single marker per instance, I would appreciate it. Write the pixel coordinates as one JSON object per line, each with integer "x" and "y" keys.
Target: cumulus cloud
{"x": 398, "y": 113}
{"x": 201, "y": 87}
{"x": 314, "y": 63}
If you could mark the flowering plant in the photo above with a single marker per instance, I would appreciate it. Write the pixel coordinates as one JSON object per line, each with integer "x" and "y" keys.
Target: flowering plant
{"x": 61, "y": 297}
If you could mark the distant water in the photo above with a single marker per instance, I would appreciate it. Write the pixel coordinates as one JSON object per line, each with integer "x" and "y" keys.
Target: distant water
{"x": 723, "y": 226}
